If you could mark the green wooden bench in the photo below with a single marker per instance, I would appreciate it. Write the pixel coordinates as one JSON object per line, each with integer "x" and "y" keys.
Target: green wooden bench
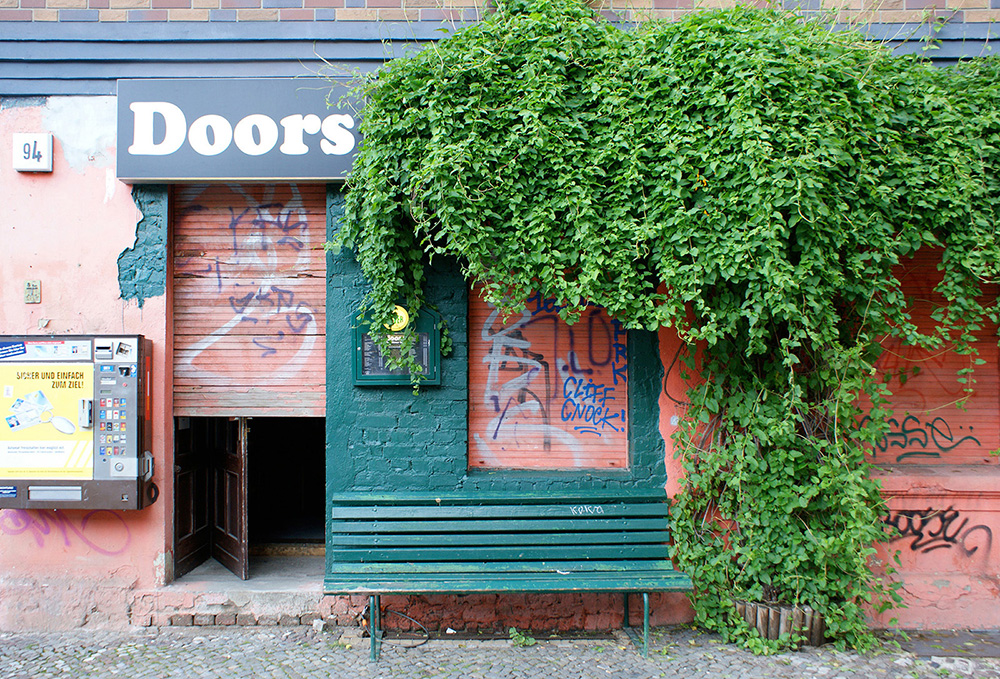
{"x": 480, "y": 542}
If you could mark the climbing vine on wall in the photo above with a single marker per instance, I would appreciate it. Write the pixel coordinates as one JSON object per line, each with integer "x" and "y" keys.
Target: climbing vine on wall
{"x": 746, "y": 177}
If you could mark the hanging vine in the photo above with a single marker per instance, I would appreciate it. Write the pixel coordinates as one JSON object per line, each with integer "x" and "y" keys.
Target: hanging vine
{"x": 745, "y": 177}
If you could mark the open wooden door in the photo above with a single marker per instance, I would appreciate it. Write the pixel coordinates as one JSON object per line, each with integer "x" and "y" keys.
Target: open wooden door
{"x": 193, "y": 439}
{"x": 229, "y": 529}
{"x": 210, "y": 493}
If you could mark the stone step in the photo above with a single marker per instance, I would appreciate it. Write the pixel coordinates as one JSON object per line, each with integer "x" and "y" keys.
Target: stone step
{"x": 281, "y": 591}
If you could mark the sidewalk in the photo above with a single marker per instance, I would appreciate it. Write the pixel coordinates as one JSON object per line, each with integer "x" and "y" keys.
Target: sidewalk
{"x": 303, "y": 652}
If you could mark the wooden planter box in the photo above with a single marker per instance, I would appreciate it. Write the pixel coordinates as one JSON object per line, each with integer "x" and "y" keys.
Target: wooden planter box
{"x": 774, "y": 620}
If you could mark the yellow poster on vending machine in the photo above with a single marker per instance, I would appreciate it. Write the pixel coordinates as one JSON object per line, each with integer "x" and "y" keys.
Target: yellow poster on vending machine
{"x": 46, "y": 429}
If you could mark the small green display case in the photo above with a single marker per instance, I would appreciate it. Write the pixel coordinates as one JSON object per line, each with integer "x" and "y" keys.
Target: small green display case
{"x": 369, "y": 364}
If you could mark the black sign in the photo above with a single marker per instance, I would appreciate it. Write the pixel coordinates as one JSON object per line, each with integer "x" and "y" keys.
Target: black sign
{"x": 373, "y": 361}
{"x": 369, "y": 364}
{"x": 235, "y": 129}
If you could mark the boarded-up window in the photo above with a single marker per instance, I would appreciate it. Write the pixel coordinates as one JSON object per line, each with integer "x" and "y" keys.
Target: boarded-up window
{"x": 926, "y": 426}
{"x": 544, "y": 394}
{"x": 249, "y": 289}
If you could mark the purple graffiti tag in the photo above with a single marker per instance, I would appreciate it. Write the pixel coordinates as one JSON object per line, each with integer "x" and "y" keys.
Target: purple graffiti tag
{"x": 585, "y": 404}
{"x": 42, "y": 524}
{"x": 213, "y": 267}
{"x": 234, "y": 222}
{"x": 294, "y": 243}
{"x": 300, "y": 319}
{"x": 240, "y": 305}
{"x": 619, "y": 368}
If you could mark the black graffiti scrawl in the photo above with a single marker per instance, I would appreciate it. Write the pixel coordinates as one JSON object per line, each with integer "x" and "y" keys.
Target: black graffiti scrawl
{"x": 914, "y": 437}
{"x": 931, "y": 529}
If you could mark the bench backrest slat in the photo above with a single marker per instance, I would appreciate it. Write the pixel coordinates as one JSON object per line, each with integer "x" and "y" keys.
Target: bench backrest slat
{"x": 499, "y": 511}
{"x": 548, "y": 566}
{"x": 392, "y": 540}
{"x": 498, "y": 525}
{"x": 493, "y": 553}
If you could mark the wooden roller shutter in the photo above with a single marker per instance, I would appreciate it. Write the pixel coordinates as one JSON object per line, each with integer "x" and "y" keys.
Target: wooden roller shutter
{"x": 544, "y": 394}
{"x": 926, "y": 426}
{"x": 249, "y": 290}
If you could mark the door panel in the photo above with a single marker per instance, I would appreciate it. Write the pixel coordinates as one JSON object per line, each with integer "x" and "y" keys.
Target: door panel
{"x": 229, "y": 532}
{"x": 192, "y": 467}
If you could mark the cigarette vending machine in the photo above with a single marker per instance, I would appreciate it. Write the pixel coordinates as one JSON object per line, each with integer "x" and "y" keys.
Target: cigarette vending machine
{"x": 75, "y": 422}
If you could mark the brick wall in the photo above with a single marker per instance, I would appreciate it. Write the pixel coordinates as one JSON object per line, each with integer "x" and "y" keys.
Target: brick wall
{"x": 844, "y": 11}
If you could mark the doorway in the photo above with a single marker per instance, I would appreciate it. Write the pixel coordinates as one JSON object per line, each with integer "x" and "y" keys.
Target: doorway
{"x": 246, "y": 487}
{"x": 287, "y": 484}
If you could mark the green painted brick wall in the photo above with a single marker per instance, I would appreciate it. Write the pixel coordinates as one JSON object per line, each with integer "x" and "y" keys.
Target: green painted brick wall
{"x": 387, "y": 438}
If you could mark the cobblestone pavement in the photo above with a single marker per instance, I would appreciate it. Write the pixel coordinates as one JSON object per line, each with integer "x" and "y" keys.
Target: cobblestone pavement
{"x": 303, "y": 652}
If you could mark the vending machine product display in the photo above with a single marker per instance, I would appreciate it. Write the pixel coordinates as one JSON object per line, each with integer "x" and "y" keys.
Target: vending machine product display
{"x": 75, "y": 429}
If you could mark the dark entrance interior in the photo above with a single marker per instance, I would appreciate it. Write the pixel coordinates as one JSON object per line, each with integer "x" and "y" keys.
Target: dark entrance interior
{"x": 245, "y": 487}
{"x": 287, "y": 484}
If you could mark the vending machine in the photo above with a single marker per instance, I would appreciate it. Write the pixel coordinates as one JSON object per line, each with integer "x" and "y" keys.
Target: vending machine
{"x": 75, "y": 422}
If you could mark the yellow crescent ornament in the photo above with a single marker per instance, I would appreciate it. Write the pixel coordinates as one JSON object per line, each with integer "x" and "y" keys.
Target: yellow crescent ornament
{"x": 402, "y": 319}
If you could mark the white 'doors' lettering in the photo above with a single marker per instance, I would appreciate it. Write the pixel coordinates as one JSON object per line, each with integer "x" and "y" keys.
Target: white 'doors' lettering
{"x": 222, "y": 135}
{"x": 339, "y": 138}
{"x": 143, "y": 126}
{"x": 263, "y": 141}
{"x": 295, "y": 127}
{"x": 254, "y": 135}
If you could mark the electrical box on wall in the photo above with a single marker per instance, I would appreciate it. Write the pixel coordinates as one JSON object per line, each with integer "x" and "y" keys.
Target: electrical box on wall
{"x": 75, "y": 429}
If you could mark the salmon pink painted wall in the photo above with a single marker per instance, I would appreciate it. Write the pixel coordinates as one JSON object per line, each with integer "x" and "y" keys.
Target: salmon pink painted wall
{"x": 71, "y": 568}
{"x": 948, "y": 524}
{"x": 940, "y": 481}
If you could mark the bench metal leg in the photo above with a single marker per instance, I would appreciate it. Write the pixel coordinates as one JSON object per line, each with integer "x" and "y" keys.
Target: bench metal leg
{"x": 633, "y": 633}
{"x": 375, "y": 624}
{"x": 645, "y": 624}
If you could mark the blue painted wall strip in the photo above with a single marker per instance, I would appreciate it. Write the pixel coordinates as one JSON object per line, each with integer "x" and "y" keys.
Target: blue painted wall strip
{"x": 323, "y": 31}
{"x": 83, "y": 58}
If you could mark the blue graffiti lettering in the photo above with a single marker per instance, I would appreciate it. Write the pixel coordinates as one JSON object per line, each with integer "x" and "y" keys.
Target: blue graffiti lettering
{"x": 587, "y": 402}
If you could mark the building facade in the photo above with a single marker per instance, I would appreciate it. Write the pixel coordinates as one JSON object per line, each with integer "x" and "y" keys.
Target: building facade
{"x": 255, "y": 412}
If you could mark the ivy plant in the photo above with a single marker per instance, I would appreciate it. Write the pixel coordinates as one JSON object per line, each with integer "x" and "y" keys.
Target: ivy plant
{"x": 748, "y": 178}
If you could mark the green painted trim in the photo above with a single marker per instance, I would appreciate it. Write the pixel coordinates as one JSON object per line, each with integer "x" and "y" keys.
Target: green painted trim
{"x": 142, "y": 269}
{"x": 339, "y": 461}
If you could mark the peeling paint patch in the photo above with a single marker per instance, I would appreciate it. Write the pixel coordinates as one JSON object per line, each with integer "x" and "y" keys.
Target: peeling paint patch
{"x": 941, "y": 584}
{"x": 86, "y": 129}
{"x": 110, "y": 184}
{"x": 163, "y": 568}
{"x": 21, "y": 102}
{"x": 142, "y": 269}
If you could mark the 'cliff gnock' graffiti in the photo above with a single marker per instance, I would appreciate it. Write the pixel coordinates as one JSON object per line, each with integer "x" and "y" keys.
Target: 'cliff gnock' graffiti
{"x": 544, "y": 394}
